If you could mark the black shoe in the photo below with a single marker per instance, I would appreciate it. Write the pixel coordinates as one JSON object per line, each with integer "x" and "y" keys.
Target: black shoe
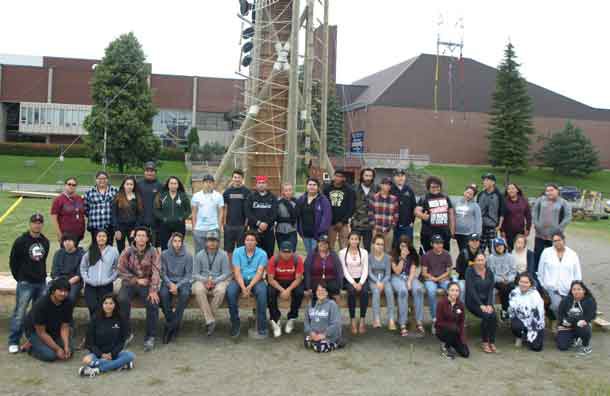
{"x": 210, "y": 328}
{"x": 235, "y": 330}
{"x": 167, "y": 335}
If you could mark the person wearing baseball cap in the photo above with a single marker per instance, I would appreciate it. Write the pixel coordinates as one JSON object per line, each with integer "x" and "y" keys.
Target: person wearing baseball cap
{"x": 342, "y": 201}
{"x": 28, "y": 263}
{"x": 261, "y": 211}
{"x": 208, "y": 207}
{"x": 491, "y": 202}
{"x": 436, "y": 268}
{"x": 504, "y": 268}
{"x": 383, "y": 213}
{"x": 285, "y": 278}
{"x": 149, "y": 186}
{"x": 465, "y": 260}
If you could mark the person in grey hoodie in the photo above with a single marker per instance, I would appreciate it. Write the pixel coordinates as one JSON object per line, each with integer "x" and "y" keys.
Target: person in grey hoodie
{"x": 99, "y": 269}
{"x": 502, "y": 264}
{"x": 323, "y": 323}
{"x": 212, "y": 275}
{"x": 176, "y": 277}
{"x": 467, "y": 217}
{"x": 66, "y": 263}
{"x": 550, "y": 214}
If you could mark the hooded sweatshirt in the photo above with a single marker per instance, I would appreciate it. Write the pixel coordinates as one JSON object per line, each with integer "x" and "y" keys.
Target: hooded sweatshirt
{"x": 528, "y": 307}
{"x": 468, "y": 217}
{"x": 28, "y": 259}
{"x": 322, "y": 214}
{"x": 503, "y": 266}
{"x": 341, "y": 202}
{"x": 106, "y": 335}
{"x": 558, "y": 275}
{"x": 102, "y": 273}
{"x": 492, "y": 207}
{"x": 168, "y": 210}
{"x": 571, "y": 311}
{"x": 176, "y": 267}
{"x": 261, "y": 209}
{"x": 211, "y": 265}
{"x": 324, "y": 318}
{"x": 550, "y": 216}
{"x": 149, "y": 190}
{"x": 67, "y": 264}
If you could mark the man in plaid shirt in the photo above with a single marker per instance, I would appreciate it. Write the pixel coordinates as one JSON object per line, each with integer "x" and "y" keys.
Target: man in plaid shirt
{"x": 98, "y": 206}
{"x": 383, "y": 212}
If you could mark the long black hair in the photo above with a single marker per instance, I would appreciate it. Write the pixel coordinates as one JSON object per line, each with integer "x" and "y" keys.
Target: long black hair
{"x": 121, "y": 196}
{"x": 95, "y": 254}
{"x": 412, "y": 252}
{"x": 352, "y": 233}
{"x": 116, "y": 312}
{"x": 584, "y": 287}
{"x": 180, "y": 185}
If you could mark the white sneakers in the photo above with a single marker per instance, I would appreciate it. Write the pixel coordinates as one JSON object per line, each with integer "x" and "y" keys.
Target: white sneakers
{"x": 277, "y": 328}
{"x": 289, "y": 326}
{"x": 13, "y": 348}
{"x": 518, "y": 342}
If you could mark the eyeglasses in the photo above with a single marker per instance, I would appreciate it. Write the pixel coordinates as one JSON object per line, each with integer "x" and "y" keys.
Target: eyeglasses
{"x": 71, "y": 184}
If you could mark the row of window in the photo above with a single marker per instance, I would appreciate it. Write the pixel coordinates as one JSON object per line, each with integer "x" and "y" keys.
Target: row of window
{"x": 52, "y": 115}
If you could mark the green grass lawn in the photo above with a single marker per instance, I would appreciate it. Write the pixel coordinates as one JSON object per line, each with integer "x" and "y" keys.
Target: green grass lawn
{"x": 14, "y": 170}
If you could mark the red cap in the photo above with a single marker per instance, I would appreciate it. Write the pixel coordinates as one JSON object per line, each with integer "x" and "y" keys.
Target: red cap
{"x": 262, "y": 179}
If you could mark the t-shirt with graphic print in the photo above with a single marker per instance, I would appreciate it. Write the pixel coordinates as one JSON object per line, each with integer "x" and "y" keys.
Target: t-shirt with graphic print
{"x": 437, "y": 206}
{"x": 342, "y": 200}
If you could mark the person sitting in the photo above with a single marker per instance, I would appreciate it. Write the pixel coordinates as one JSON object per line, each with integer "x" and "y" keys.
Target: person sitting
{"x": 558, "y": 267}
{"x": 466, "y": 259}
{"x": 450, "y": 314}
{"x": 480, "y": 300}
{"x": 502, "y": 264}
{"x": 140, "y": 275}
{"x": 47, "y": 325}
{"x": 355, "y": 263}
{"x": 285, "y": 279}
{"x": 105, "y": 340}
{"x": 249, "y": 264}
{"x": 323, "y": 264}
{"x": 525, "y": 260}
{"x": 212, "y": 275}
{"x": 436, "y": 267}
{"x": 380, "y": 273}
{"x": 323, "y": 322}
{"x": 576, "y": 312}
{"x": 66, "y": 263}
{"x": 526, "y": 311}
{"x": 177, "y": 276}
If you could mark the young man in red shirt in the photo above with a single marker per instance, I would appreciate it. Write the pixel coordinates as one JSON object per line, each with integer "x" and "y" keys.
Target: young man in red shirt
{"x": 285, "y": 278}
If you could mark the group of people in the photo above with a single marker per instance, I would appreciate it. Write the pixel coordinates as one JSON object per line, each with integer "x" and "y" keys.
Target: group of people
{"x": 373, "y": 227}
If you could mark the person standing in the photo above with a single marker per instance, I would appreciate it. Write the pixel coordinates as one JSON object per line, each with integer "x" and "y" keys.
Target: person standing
{"x": 355, "y": 263}
{"x": 380, "y": 273}
{"x": 234, "y": 216}
{"x": 98, "y": 206}
{"x": 322, "y": 264}
{"x": 491, "y": 202}
{"x": 550, "y": 214}
{"x": 526, "y": 311}
{"x": 450, "y": 315}
{"x": 66, "y": 264}
{"x": 436, "y": 268}
{"x": 361, "y": 222}
{"x": 467, "y": 217}
{"x": 207, "y": 207}
{"x": 68, "y": 211}
{"x": 176, "y": 277}
{"x": 285, "y": 278}
{"x": 261, "y": 211}
{"x": 313, "y": 215}
{"x": 437, "y": 215}
{"x": 341, "y": 198}
{"x": 406, "y": 203}
{"x": 149, "y": 187}
{"x": 576, "y": 312}
{"x": 502, "y": 264}
{"x": 127, "y": 212}
{"x": 517, "y": 215}
{"x": 140, "y": 276}
{"x": 211, "y": 275}
{"x": 172, "y": 208}
{"x": 383, "y": 213}
{"x": 28, "y": 263}
{"x": 480, "y": 300}
{"x": 286, "y": 223}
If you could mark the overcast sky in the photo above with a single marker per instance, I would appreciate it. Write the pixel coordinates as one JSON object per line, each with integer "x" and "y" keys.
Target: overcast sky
{"x": 562, "y": 45}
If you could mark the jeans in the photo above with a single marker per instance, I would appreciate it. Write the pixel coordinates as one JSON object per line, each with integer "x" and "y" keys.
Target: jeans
{"x": 41, "y": 351}
{"x": 539, "y": 245}
{"x": 462, "y": 283}
{"x": 451, "y": 338}
{"x": 174, "y": 318}
{"x": 401, "y": 230}
{"x": 266, "y": 241}
{"x": 351, "y": 298}
{"x": 126, "y": 239}
{"x": 399, "y": 286}
{"x": 94, "y": 296}
{"x": 26, "y": 292}
{"x": 292, "y": 238}
{"x": 296, "y": 297}
{"x": 121, "y": 360}
{"x": 126, "y": 294}
{"x": 389, "y": 298}
{"x": 489, "y": 323}
{"x": 431, "y": 288}
{"x": 310, "y": 245}
{"x": 260, "y": 293}
{"x": 519, "y": 331}
{"x": 199, "y": 240}
{"x": 565, "y": 338}
{"x": 417, "y": 292}
{"x": 555, "y": 298}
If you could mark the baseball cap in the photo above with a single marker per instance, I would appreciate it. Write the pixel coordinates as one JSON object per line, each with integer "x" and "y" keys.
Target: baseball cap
{"x": 262, "y": 179}
{"x": 386, "y": 180}
{"x": 474, "y": 237}
{"x": 36, "y": 218}
{"x": 208, "y": 177}
{"x": 150, "y": 165}
{"x": 499, "y": 242}
{"x": 212, "y": 235}
{"x": 437, "y": 239}
{"x": 489, "y": 176}
{"x": 340, "y": 172}
{"x": 323, "y": 238}
{"x": 399, "y": 172}
{"x": 286, "y": 246}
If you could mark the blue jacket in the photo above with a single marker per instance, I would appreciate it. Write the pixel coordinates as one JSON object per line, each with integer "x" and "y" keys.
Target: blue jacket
{"x": 322, "y": 213}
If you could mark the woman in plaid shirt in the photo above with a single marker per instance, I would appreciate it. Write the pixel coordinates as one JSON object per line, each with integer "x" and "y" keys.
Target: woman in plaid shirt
{"x": 98, "y": 206}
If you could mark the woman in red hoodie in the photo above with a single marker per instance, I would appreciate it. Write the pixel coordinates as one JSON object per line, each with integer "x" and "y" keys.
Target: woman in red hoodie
{"x": 517, "y": 215}
{"x": 450, "y": 313}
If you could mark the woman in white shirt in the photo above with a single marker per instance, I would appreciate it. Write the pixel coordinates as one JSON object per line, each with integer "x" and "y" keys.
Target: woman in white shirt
{"x": 355, "y": 263}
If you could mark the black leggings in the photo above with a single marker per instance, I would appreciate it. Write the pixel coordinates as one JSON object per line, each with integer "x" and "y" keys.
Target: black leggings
{"x": 451, "y": 338}
{"x": 519, "y": 331}
{"x": 351, "y": 298}
{"x": 504, "y": 290}
{"x": 565, "y": 338}
{"x": 488, "y": 323}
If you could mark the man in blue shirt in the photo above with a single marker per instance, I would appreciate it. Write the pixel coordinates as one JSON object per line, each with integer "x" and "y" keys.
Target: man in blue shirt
{"x": 249, "y": 263}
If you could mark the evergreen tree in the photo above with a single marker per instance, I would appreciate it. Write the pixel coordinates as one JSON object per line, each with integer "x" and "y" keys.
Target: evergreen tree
{"x": 510, "y": 123}
{"x": 192, "y": 138}
{"x": 122, "y": 105}
{"x": 335, "y": 134}
{"x": 569, "y": 152}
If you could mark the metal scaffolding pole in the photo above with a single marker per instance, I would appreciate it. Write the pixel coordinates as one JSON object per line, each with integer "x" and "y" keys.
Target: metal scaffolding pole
{"x": 308, "y": 78}
{"x": 325, "y": 162}
{"x": 290, "y": 159}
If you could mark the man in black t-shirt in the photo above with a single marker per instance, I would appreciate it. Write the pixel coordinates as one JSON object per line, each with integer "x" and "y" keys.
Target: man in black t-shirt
{"x": 437, "y": 215}
{"x": 149, "y": 187}
{"x": 47, "y": 325}
{"x": 234, "y": 215}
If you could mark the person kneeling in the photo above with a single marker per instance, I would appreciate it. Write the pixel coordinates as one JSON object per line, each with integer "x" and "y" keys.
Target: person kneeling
{"x": 450, "y": 314}
{"x": 323, "y": 323}
{"x": 105, "y": 341}
{"x": 576, "y": 312}
{"x": 526, "y": 312}
{"x": 285, "y": 278}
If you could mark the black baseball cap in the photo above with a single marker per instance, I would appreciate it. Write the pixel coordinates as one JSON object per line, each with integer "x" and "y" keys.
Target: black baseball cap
{"x": 286, "y": 246}
{"x": 37, "y": 218}
{"x": 399, "y": 172}
{"x": 150, "y": 165}
{"x": 474, "y": 237}
{"x": 437, "y": 239}
{"x": 323, "y": 238}
{"x": 489, "y": 176}
{"x": 208, "y": 177}
{"x": 212, "y": 235}
{"x": 340, "y": 172}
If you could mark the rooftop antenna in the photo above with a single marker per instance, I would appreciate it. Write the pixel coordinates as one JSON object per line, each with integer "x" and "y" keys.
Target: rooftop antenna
{"x": 454, "y": 49}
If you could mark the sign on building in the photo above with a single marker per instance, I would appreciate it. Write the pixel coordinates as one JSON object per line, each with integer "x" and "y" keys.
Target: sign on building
{"x": 357, "y": 142}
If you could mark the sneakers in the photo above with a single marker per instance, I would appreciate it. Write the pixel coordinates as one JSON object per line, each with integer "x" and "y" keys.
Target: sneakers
{"x": 149, "y": 344}
{"x": 433, "y": 330}
{"x": 289, "y": 326}
{"x": 235, "y": 330}
{"x": 447, "y": 353}
{"x": 210, "y": 327}
{"x": 128, "y": 340}
{"x": 13, "y": 349}
{"x": 128, "y": 366}
{"x": 577, "y": 343}
{"x": 87, "y": 371}
{"x": 518, "y": 342}
{"x": 277, "y": 328}
{"x": 584, "y": 351}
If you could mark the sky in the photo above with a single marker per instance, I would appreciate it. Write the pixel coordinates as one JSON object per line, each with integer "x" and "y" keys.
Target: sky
{"x": 561, "y": 44}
